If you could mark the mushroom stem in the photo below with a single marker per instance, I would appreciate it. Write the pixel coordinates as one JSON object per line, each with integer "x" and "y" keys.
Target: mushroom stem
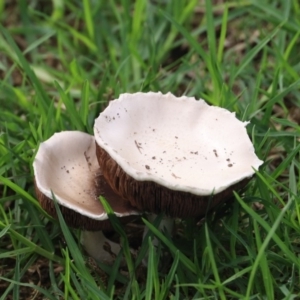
{"x": 166, "y": 226}
{"x": 99, "y": 247}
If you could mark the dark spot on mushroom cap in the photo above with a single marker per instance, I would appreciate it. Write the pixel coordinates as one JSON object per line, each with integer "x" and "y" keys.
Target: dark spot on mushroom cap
{"x": 230, "y": 165}
{"x": 215, "y": 152}
{"x": 147, "y": 167}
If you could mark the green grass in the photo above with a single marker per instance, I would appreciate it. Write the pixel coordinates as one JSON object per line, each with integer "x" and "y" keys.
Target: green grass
{"x": 61, "y": 61}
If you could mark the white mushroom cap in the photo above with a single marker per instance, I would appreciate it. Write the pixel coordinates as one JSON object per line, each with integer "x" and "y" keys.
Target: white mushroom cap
{"x": 178, "y": 143}
{"x": 66, "y": 165}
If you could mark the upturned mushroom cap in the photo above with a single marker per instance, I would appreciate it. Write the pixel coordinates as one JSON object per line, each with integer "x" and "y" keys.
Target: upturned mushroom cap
{"x": 170, "y": 154}
{"x": 66, "y": 165}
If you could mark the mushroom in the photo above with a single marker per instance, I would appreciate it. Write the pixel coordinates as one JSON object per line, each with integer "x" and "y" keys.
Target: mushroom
{"x": 173, "y": 154}
{"x": 66, "y": 166}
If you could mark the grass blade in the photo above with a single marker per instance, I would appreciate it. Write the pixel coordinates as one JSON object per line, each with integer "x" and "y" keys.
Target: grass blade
{"x": 188, "y": 263}
{"x": 213, "y": 264}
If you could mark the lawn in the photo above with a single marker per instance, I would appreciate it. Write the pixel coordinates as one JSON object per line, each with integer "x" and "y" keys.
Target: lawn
{"x": 62, "y": 61}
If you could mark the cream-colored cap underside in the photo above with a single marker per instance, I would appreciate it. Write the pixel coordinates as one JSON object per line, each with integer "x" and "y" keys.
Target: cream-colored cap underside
{"x": 180, "y": 143}
{"x": 66, "y": 165}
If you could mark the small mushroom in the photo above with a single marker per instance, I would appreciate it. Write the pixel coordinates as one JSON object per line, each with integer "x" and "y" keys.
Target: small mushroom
{"x": 174, "y": 155}
{"x": 66, "y": 166}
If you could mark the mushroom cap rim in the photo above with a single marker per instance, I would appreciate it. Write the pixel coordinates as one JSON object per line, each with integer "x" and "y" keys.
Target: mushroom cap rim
{"x": 145, "y": 177}
{"x": 49, "y": 193}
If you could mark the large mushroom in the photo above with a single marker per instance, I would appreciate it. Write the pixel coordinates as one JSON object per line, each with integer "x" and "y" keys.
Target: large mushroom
{"x": 66, "y": 166}
{"x": 174, "y": 155}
